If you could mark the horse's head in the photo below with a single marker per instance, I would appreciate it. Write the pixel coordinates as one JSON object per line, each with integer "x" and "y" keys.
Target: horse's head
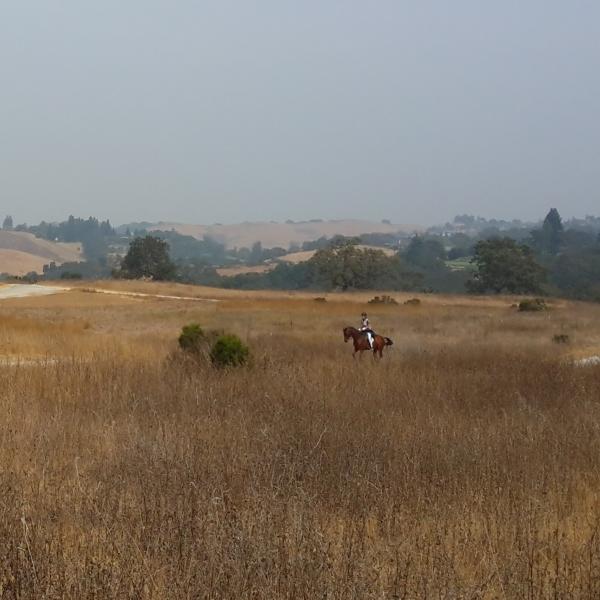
{"x": 347, "y": 333}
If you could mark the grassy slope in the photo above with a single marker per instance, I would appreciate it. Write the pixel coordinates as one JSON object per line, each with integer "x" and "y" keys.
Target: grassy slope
{"x": 21, "y": 253}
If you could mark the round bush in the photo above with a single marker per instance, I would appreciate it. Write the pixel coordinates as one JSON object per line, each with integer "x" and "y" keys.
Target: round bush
{"x": 192, "y": 338}
{"x": 229, "y": 351}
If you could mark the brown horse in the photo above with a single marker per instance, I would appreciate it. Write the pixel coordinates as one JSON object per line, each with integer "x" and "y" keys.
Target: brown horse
{"x": 361, "y": 342}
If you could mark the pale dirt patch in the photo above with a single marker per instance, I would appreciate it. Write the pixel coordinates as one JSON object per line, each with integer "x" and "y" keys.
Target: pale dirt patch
{"x": 242, "y": 270}
{"x": 22, "y": 290}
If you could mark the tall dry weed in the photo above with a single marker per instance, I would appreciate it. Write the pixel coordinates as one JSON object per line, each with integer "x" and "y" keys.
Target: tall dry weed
{"x": 464, "y": 465}
{"x": 455, "y": 475}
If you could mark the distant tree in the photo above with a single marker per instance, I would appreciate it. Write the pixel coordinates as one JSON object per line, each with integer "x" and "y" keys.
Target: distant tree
{"x": 274, "y": 252}
{"x": 187, "y": 247}
{"x": 380, "y": 239}
{"x": 576, "y": 272}
{"x": 458, "y": 252}
{"x": 92, "y": 234}
{"x": 197, "y": 271}
{"x": 342, "y": 241}
{"x": 8, "y": 223}
{"x": 503, "y": 265}
{"x": 95, "y": 269}
{"x": 242, "y": 254}
{"x": 148, "y": 257}
{"x": 256, "y": 254}
{"x": 549, "y": 238}
{"x": 577, "y": 239}
{"x": 349, "y": 267}
{"x": 322, "y": 242}
{"x": 425, "y": 253}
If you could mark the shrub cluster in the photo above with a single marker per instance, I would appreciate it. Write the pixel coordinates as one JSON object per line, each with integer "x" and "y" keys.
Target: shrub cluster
{"x": 224, "y": 350}
{"x": 382, "y": 300}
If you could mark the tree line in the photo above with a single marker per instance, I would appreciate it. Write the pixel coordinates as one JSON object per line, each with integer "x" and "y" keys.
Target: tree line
{"x": 472, "y": 255}
{"x": 551, "y": 260}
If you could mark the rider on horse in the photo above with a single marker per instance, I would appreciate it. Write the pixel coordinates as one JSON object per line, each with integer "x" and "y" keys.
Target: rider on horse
{"x": 365, "y": 338}
{"x": 365, "y": 327}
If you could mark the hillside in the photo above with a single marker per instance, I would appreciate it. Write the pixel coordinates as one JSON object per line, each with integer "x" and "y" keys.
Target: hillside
{"x": 21, "y": 253}
{"x": 293, "y": 258}
{"x": 283, "y": 234}
{"x": 298, "y": 257}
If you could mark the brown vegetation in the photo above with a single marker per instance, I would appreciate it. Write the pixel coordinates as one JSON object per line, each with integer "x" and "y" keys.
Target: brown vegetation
{"x": 464, "y": 465}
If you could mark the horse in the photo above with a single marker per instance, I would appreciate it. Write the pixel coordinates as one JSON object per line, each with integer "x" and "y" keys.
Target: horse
{"x": 361, "y": 342}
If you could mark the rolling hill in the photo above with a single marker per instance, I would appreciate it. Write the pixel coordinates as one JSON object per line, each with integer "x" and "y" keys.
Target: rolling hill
{"x": 272, "y": 234}
{"x": 22, "y": 253}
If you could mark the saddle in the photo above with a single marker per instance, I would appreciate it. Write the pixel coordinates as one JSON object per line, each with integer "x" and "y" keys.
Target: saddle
{"x": 365, "y": 331}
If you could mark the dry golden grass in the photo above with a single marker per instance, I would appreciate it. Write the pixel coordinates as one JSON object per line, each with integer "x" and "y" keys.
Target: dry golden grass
{"x": 21, "y": 252}
{"x": 243, "y": 270}
{"x": 464, "y": 465}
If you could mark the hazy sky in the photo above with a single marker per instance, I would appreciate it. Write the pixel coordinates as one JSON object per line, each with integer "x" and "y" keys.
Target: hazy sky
{"x": 267, "y": 110}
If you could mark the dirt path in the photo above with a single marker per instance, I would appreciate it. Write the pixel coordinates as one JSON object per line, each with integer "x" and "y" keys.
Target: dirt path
{"x": 22, "y": 290}
{"x": 144, "y": 295}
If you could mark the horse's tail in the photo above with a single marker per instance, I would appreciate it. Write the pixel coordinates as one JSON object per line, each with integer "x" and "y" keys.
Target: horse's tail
{"x": 388, "y": 341}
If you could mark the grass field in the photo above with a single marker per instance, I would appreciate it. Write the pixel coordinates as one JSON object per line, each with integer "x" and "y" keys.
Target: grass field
{"x": 463, "y": 465}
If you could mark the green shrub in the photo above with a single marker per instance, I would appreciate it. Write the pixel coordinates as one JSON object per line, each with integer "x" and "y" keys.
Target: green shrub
{"x": 192, "y": 338}
{"x": 229, "y": 351}
{"x": 561, "y": 338}
{"x": 532, "y": 305}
